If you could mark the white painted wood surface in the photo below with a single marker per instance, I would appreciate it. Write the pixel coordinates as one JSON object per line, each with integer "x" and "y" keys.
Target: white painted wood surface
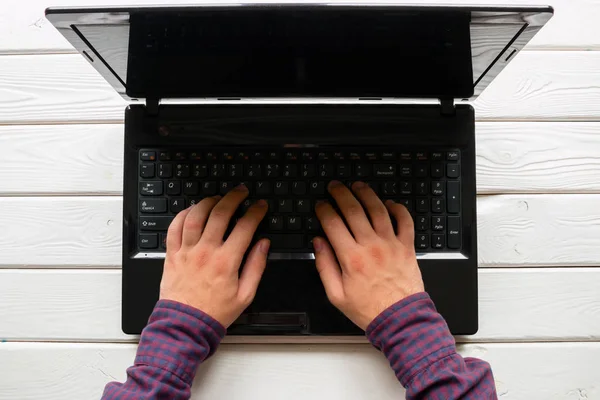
{"x": 538, "y": 171}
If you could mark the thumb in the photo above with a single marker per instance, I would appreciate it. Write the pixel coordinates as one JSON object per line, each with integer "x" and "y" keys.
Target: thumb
{"x": 329, "y": 271}
{"x": 253, "y": 271}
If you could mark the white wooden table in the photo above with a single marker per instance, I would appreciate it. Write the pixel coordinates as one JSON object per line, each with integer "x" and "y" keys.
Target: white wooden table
{"x": 538, "y": 172}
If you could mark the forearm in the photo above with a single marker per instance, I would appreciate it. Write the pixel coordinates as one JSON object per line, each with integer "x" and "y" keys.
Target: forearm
{"x": 172, "y": 346}
{"x": 417, "y": 342}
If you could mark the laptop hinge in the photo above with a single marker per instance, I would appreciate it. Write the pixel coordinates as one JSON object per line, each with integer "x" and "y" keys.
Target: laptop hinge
{"x": 447, "y": 107}
{"x": 152, "y": 107}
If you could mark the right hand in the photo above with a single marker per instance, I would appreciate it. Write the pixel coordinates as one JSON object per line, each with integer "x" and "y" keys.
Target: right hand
{"x": 377, "y": 266}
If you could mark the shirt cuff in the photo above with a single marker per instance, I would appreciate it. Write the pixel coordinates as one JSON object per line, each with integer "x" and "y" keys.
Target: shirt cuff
{"x": 412, "y": 335}
{"x": 178, "y": 338}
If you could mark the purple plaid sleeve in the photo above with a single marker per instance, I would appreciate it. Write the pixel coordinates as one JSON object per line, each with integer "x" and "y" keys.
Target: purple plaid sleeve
{"x": 175, "y": 341}
{"x": 417, "y": 342}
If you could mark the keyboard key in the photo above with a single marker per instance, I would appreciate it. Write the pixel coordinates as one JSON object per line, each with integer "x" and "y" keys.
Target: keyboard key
{"x": 371, "y": 156}
{"x": 454, "y": 237}
{"x": 164, "y": 156}
{"x": 147, "y": 170}
{"x": 294, "y": 223}
{"x": 385, "y": 170}
{"x": 182, "y": 170}
{"x": 312, "y": 224}
{"x": 176, "y": 204}
{"x": 290, "y": 170}
{"x": 192, "y": 201}
{"x": 272, "y": 170}
{"x": 325, "y": 170}
{"x": 211, "y": 156}
{"x": 307, "y": 156}
{"x": 281, "y": 188}
{"x": 438, "y": 156}
{"x": 421, "y": 156}
{"x": 438, "y": 241}
{"x": 200, "y": 171}
{"x": 291, "y": 155}
{"x": 389, "y": 188}
{"x": 153, "y": 205}
{"x": 437, "y": 170}
{"x": 354, "y": 156}
{"x": 324, "y": 156}
{"x": 422, "y": 205}
{"x": 209, "y": 188}
{"x": 227, "y": 156}
{"x": 196, "y": 156}
{"x": 165, "y": 170}
{"x": 406, "y": 156}
{"x": 191, "y": 188}
{"x": 258, "y": 156}
{"x": 388, "y": 156}
{"x": 173, "y": 188}
{"x": 225, "y": 187}
{"x": 437, "y": 188}
{"x": 362, "y": 170}
{"x": 343, "y": 171}
{"x": 421, "y": 171}
{"x": 263, "y": 188}
{"x": 155, "y": 223}
{"x": 148, "y": 155}
{"x": 308, "y": 170}
{"x": 408, "y": 203}
{"x": 151, "y": 188}
{"x": 406, "y": 171}
{"x": 275, "y": 223}
{"x": 422, "y": 241}
{"x": 180, "y": 156}
{"x": 422, "y": 188}
{"x": 453, "y": 197}
{"x": 148, "y": 241}
{"x": 285, "y": 241}
{"x": 438, "y": 223}
{"x": 299, "y": 188}
{"x": 453, "y": 156}
{"x": 422, "y": 223}
{"x": 405, "y": 187}
{"x": 274, "y": 155}
{"x": 254, "y": 171}
{"x": 217, "y": 170}
{"x": 285, "y": 205}
{"x": 302, "y": 206}
{"x": 338, "y": 155}
{"x": 317, "y": 188}
{"x": 453, "y": 171}
{"x": 374, "y": 186}
{"x": 437, "y": 205}
{"x": 235, "y": 171}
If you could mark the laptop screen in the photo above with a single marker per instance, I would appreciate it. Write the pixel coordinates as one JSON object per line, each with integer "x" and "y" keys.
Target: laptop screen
{"x": 301, "y": 50}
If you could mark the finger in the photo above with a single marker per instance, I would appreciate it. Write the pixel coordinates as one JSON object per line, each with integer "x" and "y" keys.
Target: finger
{"x": 175, "y": 232}
{"x": 337, "y": 233}
{"x": 196, "y": 220}
{"x": 253, "y": 271}
{"x": 329, "y": 271}
{"x": 406, "y": 228}
{"x": 352, "y": 210}
{"x": 380, "y": 217}
{"x": 221, "y": 215}
{"x": 241, "y": 236}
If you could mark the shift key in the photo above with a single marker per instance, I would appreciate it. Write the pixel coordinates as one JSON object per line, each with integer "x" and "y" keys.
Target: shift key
{"x": 155, "y": 223}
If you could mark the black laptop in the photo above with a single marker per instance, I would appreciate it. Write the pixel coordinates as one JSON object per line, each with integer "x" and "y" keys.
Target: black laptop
{"x": 286, "y": 98}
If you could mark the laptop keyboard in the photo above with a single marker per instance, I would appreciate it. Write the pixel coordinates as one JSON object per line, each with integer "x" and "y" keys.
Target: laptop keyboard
{"x": 292, "y": 180}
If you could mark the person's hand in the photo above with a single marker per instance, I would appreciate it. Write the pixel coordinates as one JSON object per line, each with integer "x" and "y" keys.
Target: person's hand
{"x": 377, "y": 266}
{"x": 201, "y": 270}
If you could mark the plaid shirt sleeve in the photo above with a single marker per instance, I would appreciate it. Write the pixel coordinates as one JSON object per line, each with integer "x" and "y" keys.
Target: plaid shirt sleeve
{"x": 175, "y": 341}
{"x": 417, "y": 342}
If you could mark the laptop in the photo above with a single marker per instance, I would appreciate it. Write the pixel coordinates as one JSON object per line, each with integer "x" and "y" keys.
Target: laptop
{"x": 286, "y": 98}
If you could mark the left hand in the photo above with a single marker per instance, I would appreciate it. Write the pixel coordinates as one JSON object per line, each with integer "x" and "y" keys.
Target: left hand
{"x": 201, "y": 270}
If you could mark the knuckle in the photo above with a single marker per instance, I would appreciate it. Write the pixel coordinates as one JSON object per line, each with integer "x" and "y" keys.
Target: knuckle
{"x": 220, "y": 213}
{"x": 354, "y": 210}
{"x": 377, "y": 253}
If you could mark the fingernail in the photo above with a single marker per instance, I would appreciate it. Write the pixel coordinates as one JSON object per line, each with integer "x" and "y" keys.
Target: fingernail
{"x": 217, "y": 197}
{"x": 390, "y": 201}
{"x": 264, "y": 246}
{"x": 262, "y": 203}
{"x": 240, "y": 188}
{"x": 317, "y": 244}
{"x": 334, "y": 184}
{"x": 359, "y": 185}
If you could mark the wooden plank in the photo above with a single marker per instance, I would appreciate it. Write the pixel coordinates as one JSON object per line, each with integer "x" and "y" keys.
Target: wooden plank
{"x": 24, "y": 29}
{"x": 64, "y": 88}
{"x": 512, "y": 157}
{"x": 513, "y": 230}
{"x": 55, "y": 371}
{"x": 515, "y": 305}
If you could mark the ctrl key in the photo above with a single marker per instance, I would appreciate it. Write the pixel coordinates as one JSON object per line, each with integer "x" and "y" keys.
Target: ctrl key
{"x": 148, "y": 241}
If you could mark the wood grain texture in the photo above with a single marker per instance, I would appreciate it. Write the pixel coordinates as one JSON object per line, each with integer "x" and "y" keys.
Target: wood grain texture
{"x": 24, "y": 29}
{"x": 348, "y": 372}
{"x": 513, "y": 230}
{"x": 512, "y": 157}
{"x": 537, "y": 85}
{"x": 514, "y": 305}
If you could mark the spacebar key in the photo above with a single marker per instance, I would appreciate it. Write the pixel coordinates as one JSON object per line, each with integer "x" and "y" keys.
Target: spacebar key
{"x": 285, "y": 241}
